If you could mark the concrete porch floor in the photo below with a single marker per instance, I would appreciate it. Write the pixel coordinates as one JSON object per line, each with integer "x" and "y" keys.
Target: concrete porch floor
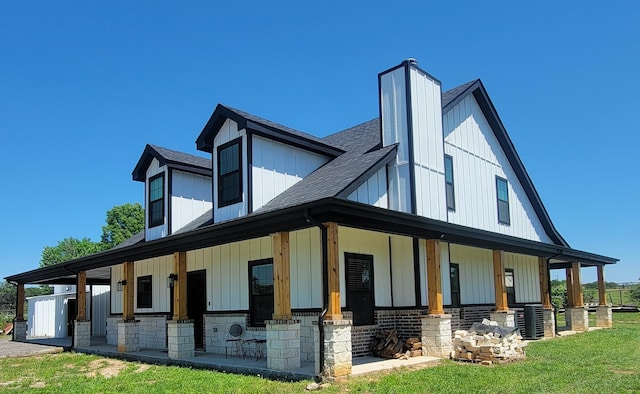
{"x": 235, "y": 364}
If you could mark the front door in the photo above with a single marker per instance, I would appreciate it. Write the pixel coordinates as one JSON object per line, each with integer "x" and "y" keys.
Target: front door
{"x": 359, "y": 278}
{"x": 197, "y": 303}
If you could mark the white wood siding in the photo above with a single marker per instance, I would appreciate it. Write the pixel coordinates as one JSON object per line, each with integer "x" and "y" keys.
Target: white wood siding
{"x": 367, "y": 242}
{"x": 99, "y": 308}
{"x": 306, "y": 268}
{"x": 477, "y": 159}
{"x": 373, "y": 191}
{"x": 162, "y": 230}
{"x": 444, "y": 272}
{"x": 277, "y": 167}
{"x": 190, "y": 198}
{"x": 402, "y": 271}
{"x": 476, "y": 274}
{"x": 426, "y": 110}
{"x": 159, "y": 268}
{"x": 526, "y": 277}
{"x": 393, "y": 101}
{"x": 228, "y": 132}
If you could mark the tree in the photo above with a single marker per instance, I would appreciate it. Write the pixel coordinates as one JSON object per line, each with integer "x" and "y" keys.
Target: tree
{"x": 123, "y": 222}
{"x": 69, "y": 249}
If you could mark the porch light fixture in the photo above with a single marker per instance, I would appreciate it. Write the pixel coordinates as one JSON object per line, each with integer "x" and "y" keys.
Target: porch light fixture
{"x": 171, "y": 279}
{"x": 121, "y": 284}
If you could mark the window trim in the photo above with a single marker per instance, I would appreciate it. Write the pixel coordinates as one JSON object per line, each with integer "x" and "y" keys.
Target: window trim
{"x": 451, "y": 205}
{"x": 498, "y": 200}
{"x": 459, "y": 300}
{"x": 219, "y": 176}
{"x": 139, "y": 305}
{"x": 250, "y": 265}
{"x": 151, "y": 223}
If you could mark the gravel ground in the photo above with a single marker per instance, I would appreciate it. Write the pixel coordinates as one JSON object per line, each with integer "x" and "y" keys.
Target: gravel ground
{"x": 22, "y": 349}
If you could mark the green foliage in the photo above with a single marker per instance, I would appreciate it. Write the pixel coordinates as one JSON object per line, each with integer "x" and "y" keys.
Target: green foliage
{"x": 123, "y": 222}
{"x": 7, "y": 296}
{"x": 68, "y": 249}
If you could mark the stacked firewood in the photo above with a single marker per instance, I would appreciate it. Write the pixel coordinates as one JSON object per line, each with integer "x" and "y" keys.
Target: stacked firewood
{"x": 488, "y": 347}
{"x": 386, "y": 344}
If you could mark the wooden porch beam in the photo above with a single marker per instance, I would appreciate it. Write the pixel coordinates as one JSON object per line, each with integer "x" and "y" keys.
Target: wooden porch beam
{"x": 128, "y": 291}
{"x": 434, "y": 277}
{"x": 498, "y": 279}
{"x": 545, "y": 292}
{"x": 20, "y": 302}
{"x": 281, "y": 277}
{"x": 180, "y": 286}
{"x": 334, "y": 311}
{"x": 81, "y": 291}
{"x": 577, "y": 285}
{"x": 570, "y": 300}
{"x": 602, "y": 292}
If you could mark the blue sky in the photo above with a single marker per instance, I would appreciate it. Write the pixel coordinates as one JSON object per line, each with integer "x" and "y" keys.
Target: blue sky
{"x": 85, "y": 85}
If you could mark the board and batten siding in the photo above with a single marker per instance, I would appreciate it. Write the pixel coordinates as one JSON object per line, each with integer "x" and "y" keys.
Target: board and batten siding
{"x": 190, "y": 198}
{"x": 402, "y": 273}
{"x": 163, "y": 229}
{"x": 426, "y": 110}
{"x": 277, "y": 166}
{"x": 228, "y": 132}
{"x": 444, "y": 272}
{"x": 373, "y": 191}
{"x": 476, "y": 274}
{"x": 159, "y": 268}
{"x": 477, "y": 159}
{"x": 526, "y": 277}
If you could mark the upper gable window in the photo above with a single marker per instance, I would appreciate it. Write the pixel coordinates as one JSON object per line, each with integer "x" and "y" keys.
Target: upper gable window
{"x": 502, "y": 191}
{"x": 448, "y": 179}
{"x": 229, "y": 173}
{"x": 156, "y": 200}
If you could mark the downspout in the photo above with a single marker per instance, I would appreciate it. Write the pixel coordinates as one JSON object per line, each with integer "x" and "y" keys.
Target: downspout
{"x": 555, "y": 307}
{"x": 325, "y": 287}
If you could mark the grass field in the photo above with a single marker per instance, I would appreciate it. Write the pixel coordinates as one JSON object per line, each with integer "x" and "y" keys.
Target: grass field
{"x": 603, "y": 361}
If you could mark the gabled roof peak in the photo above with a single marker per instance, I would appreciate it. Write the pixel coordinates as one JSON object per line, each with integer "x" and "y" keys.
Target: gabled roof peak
{"x": 171, "y": 158}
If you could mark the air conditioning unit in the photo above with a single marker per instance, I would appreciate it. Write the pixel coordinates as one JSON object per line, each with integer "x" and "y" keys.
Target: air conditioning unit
{"x": 533, "y": 322}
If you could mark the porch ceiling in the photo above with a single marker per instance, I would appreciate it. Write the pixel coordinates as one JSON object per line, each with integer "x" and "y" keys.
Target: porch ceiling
{"x": 297, "y": 217}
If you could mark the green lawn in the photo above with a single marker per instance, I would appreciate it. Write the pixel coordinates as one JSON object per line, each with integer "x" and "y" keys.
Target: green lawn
{"x": 604, "y": 361}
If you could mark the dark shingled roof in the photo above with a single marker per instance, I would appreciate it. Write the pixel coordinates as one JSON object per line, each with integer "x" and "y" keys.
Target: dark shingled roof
{"x": 139, "y": 237}
{"x": 203, "y": 220}
{"x": 172, "y": 158}
{"x": 361, "y": 138}
{"x": 451, "y": 94}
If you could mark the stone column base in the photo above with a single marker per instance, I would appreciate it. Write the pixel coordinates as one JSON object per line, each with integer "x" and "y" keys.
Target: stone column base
{"x": 82, "y": 333}
{"x": 578, "y": 318}
{"x": 128, "y": 336}
{"x": 436, "y": 335}
{"x": 604, "y": 316}
{"x": 505, "y": 319}
{"x": 283, "y": 344}
{"x": 181, "y": 339}
{"x": 20, "y": 330}
{"x": 549, "y": 319}
{"x": 337, "y": 348}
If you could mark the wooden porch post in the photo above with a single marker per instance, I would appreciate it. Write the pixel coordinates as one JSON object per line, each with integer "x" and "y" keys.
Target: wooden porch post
{"x": 498, "y": 278}
{"x": 577, "y": 285}
{"x": 545, "y": 292}
{"x": 602, "y": 292}
{"x": 570, "y": 298}
{"x": 434, "y": 277}
{"x": 281, "y": 277}
{"x": 20, "y": 303}
{"x": 334, "y": 311}
{"x": 81, "y": 291}
{"x": 128, "y": 292}
{"x": 180, "y": 286}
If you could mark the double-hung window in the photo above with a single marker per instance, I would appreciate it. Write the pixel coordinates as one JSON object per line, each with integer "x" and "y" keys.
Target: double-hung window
{"x": 260, "y": 291}
{"x": 144, "y": 293}
{"x": 230, "y": 173}
{"x": 502, "y": 192}
{"x": 448, "y": 179}
{"x": 156, "y": 200}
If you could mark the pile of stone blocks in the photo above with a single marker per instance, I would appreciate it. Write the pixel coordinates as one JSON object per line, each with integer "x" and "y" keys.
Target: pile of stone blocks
{"x": 480, "y": 344}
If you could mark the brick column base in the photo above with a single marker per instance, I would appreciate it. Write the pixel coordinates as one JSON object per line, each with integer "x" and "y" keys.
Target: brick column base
{"x": 181, "y": 339}
{"x": 549, "y": 319}
{"x": 20, "y": 330}
{"x": 128, "y": 340}
{"x": 604, "y": 316}
{"x": 578, "y": 319}
{"x": 505, "y": 319}
{"x": 337, "y": 348}
{"x": 436, "y": 335}
{"x": 82, "y": 333}
{"x": 283, "y": 344}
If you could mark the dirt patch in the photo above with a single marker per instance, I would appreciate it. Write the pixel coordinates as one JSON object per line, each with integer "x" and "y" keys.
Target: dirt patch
{"x": 107, "y": 368}
{"x": 38, "y": 385}
{"x": 142, "y": 368}
{"x": 624, "y": 372}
